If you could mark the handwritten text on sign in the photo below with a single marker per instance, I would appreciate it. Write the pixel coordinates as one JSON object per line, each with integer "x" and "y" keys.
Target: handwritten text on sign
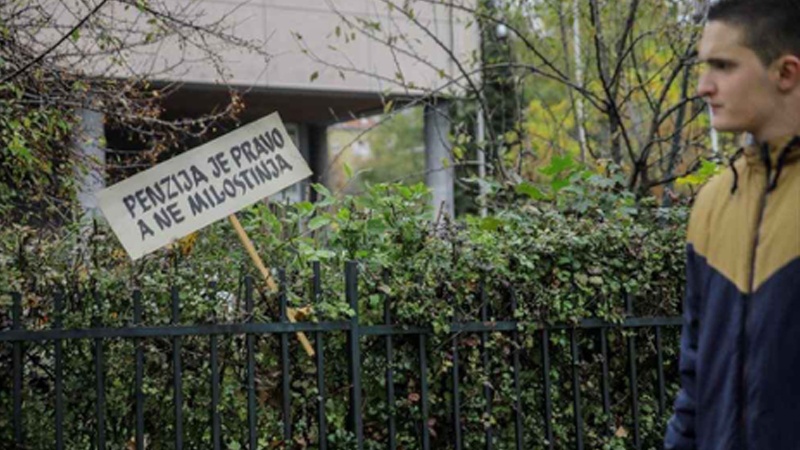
{"x": 199, "y": 187}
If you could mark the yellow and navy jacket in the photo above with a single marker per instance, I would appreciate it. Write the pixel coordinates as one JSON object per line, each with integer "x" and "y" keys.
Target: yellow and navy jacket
{"x": 740, "y": 345}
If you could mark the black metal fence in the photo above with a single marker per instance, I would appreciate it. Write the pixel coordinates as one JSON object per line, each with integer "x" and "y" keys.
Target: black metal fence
{"x": 18, "y": 338}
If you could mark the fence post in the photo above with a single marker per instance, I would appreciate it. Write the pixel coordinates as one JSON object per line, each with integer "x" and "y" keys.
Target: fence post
{"x": 139, "y": 382}
{"x": 100, "y": 375}
{"x": 423, "y": 381}
{"x": 252, "y": 420}
{"x": 354, "y": 353}
{"x": 58, "y": 317}
{"x": 518, "y": 425}
{"x": 216, "y": 422}
{"x": 390, "y": 400}
{"x": 633, "y": 376}
{"x": 546, "y": 394}
{"x": 177, "y": 370}
{"x": 286, "y": 380}
{"x": 488, "y": 388}
{"x": 320, "y": 362}
{"x": 16, "y": 324}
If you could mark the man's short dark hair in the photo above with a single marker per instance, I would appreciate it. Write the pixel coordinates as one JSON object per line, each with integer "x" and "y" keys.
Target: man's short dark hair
{"x": 771, "y": 27}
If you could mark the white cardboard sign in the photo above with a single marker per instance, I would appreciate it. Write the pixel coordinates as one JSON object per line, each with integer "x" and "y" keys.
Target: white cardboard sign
{"x": 199, "y": 187}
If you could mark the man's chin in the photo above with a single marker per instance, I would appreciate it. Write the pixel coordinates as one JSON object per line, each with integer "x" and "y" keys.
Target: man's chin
{"x": 723, "y": 127}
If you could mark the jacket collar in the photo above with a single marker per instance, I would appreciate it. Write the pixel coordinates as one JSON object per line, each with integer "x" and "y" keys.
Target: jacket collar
{"x": 772, "y": 150}
{"x": 772, "y": 156}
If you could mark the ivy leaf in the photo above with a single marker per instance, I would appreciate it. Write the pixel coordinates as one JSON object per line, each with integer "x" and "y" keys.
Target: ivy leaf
{"x": 376, "y": 226}
{"x": 374, "y": 301}
{"x": 405, "y": 192}
{"x": 707, "y": 170}
{"x": 558, "y": 165}
{"x": 304, "y": 208}
{"x": 598, "y": 281}
{"x": 491, "y": 223}
{"x": 318, "y": 222}
{"x": 324, "y": 254}
{"x": 530, "y": 190}
{"x": 321, "y": 189}
{"x": 347, "y": 170}
{"x": 559, "y": 184}
{"x": 385, "y": 289}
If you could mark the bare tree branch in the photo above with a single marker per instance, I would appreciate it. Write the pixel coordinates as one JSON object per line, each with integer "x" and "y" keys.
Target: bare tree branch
{"x": 55, "y": 45}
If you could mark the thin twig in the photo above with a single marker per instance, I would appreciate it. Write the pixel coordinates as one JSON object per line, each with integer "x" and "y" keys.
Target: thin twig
{"x": 53, "y": 47}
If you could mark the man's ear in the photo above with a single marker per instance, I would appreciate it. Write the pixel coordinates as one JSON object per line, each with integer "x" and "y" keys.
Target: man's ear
{"x": 788, "y": 67}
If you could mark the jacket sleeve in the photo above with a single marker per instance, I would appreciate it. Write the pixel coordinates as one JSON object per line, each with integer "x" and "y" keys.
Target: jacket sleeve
{"x": 680, "y": 433}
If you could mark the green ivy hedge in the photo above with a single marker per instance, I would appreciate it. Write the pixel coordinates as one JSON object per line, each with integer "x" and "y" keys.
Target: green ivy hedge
{"x": 570, "y": 258}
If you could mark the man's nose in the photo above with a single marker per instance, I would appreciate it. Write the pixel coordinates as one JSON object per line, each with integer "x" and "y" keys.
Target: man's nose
{"x": 705, "y": 86}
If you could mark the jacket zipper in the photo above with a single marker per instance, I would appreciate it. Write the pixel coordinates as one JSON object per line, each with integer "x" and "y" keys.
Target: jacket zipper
{"x": 743, "y": 344}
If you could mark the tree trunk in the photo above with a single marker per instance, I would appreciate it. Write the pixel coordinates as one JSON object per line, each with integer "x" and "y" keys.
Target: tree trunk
{"x": 576, "y": 44}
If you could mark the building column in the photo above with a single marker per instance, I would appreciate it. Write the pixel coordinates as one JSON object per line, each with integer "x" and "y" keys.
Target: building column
{"x": 440, "y": 173}
{"x": 318, "y": 155}
{"x": 89, "y": 141}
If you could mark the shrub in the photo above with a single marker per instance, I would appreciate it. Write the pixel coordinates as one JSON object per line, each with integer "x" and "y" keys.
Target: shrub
{"x": 563, "y": 261}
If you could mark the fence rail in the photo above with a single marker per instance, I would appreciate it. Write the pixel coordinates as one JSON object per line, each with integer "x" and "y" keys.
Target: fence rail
{"x": 19, "y": 338}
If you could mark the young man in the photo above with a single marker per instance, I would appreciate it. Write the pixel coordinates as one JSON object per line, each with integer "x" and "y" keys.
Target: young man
{"x": 740, "y": 347}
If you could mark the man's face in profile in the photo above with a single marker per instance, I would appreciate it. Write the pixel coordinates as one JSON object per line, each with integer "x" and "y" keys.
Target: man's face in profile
{"x": 735, "y": 83}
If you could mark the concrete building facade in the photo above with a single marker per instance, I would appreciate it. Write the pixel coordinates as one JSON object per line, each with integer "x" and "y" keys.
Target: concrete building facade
{"x": 324, "y": 69}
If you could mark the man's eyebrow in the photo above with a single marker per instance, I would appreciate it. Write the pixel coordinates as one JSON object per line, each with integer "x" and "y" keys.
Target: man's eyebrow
{"x": 714, "y": 60}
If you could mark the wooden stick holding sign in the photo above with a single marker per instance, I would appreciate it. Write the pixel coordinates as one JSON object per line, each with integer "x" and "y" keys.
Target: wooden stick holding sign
{"x": 190, "y": 191}
{"x": 251, "y": 250}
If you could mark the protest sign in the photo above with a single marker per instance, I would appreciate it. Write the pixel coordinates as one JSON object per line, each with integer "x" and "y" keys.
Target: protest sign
{"x": 199, "y": 187}
{"x": 203, "y": 185}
